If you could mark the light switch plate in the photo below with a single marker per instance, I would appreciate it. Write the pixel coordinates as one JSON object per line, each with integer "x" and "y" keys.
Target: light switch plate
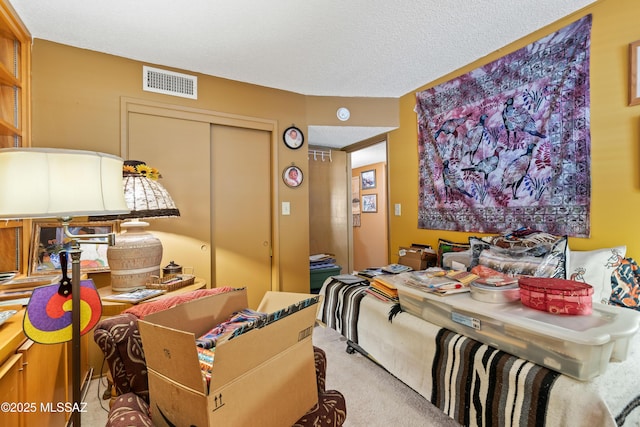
{"x": 398, "y": 209}
{"x": 286, "y": 208}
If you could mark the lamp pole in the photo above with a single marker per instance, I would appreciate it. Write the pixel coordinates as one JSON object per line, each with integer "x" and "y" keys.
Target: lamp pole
{"x": 76, "y": 355}
{"x": 76, "y": 358}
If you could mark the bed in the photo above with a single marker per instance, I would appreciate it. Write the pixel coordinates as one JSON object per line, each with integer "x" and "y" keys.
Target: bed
{"x": 473, "y": 383}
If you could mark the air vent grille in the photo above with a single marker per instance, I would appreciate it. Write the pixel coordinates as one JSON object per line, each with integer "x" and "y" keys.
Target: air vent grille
{"x": 169, "y": 83}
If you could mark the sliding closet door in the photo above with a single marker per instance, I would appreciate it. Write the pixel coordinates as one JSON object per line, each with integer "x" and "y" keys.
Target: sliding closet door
{"x": 220, "y": 178}
{"x": 241, "y": 215}
{"x": 180, "y": 150}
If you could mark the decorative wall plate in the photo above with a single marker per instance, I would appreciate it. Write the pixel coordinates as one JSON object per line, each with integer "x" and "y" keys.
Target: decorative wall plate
{"x": 292, "y": 176}
{"x": 293, "y": 137}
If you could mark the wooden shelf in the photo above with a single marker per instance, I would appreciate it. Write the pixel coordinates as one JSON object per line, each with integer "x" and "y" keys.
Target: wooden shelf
{"x": 15, "y": 112}
{"x": 7, "y": 78}
{"x": 8, "y": 129}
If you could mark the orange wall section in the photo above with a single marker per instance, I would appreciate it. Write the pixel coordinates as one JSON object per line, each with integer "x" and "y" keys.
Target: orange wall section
{"x": 371, "y": 238}
{"x": 615, "y": 138}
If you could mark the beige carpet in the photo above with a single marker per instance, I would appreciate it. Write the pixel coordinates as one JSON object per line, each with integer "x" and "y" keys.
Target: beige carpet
{"x": 374, "y": 397}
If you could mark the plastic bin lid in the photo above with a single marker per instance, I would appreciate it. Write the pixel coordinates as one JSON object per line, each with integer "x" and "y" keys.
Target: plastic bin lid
{"x": 606, "y": 323}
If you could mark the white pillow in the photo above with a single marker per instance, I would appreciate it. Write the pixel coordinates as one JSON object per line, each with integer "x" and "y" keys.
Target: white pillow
{"x": 595, "y": 268}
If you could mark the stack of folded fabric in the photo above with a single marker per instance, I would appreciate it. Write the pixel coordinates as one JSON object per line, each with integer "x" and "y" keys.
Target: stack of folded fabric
{"x": 383, "y": 290}
{"x": 319, "y": 261}
{"x": 237, "y": 324}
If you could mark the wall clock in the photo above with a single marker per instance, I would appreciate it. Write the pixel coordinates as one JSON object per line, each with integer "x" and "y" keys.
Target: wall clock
{"x": 293, "y": 137}
{"x": 292, "y": 176}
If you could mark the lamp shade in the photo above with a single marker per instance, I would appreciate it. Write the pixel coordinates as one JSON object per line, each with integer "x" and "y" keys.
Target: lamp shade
{"x": 49, "y": 183}
{"x": 145, "y": 197}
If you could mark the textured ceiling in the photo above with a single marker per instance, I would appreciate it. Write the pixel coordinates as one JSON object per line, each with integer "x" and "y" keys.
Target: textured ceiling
{"x": 355, "y": 48}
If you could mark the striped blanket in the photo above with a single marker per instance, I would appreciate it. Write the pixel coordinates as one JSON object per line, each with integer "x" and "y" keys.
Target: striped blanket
{"x": 342, "y": 305}
{"x": 480, "y": 398}
{"x": 476, "y": 384}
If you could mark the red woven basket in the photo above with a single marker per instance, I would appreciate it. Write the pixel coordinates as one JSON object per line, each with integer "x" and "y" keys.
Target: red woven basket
{"x": 557, "y": 296}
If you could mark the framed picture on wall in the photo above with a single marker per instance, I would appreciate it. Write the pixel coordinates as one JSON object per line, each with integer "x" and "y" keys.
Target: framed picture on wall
{"x": 634, "y": 71}
{"x": 368, "y": 179}
{"x": 292, "y": 176}
{"x": 369, "y": 203}
{"x": 355, "y": 200}
{"x": 48, "y": 239}
{"x": 293, "y": 137}
{"x": 355, "y": 195}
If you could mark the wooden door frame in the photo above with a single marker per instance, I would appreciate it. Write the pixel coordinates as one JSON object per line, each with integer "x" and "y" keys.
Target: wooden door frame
{"x": 133, "y": 105}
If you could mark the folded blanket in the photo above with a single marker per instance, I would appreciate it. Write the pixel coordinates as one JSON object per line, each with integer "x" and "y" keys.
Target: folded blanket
{"x": 342, "y": 306}
{"x": 235, "y": 325}
{"x": 171, "y": 300}
{"x": 474, "y": 394}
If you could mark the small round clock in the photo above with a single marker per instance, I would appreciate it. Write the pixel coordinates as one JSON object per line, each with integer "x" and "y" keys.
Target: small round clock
{"x": 293, "y": 137}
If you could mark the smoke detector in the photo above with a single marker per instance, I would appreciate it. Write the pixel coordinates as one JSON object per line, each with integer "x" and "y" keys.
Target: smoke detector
{"x": 343, "y": 114}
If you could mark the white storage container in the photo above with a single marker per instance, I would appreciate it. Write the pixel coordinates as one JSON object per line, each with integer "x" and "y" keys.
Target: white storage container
{"x": 578, "y": 346}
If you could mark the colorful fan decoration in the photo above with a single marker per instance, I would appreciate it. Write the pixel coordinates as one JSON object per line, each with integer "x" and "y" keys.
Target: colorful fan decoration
{"x": 48, "y": 315}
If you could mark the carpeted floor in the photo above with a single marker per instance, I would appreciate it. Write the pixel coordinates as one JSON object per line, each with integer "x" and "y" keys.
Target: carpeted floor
{"x": 374, "y": 397}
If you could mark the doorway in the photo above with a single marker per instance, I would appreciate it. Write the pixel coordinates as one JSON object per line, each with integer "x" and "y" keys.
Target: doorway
{"x": 335, "y": 206}
{"x": 370, "y": 218}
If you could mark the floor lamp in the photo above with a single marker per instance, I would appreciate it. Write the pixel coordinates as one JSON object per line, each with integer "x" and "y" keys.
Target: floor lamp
{"x": 58, "y": 183}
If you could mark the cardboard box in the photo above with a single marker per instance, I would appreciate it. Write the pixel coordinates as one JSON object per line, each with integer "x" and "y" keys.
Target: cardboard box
{"x": 417, "y": 257}
{"x": 264, "y": 377}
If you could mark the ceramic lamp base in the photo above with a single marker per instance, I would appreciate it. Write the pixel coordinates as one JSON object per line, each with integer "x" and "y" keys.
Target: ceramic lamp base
{"x": 135, "y": 257}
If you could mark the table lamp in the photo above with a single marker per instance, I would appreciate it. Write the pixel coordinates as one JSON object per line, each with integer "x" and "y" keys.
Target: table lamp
{"x": 59, "y": 183}
{"x": 137, "y": 254}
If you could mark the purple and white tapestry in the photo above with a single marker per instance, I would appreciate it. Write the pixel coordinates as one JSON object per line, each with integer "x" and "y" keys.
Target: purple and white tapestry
{"x": 508, "y": 144}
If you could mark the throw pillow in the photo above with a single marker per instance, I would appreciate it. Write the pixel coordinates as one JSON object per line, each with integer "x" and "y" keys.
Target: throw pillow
{"x": 445, "y": 246}
{"x": 595, "y": 268}
{"x": 625, "y": 285}
{"x": 539, "y": 255}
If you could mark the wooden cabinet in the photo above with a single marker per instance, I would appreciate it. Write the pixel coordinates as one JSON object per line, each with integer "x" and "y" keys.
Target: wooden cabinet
{"x": 15, "y": 122}
{"x": 11, "y": 383}
{"x": 35, "y": 378}
{"x": 11, "y": 390}
{"x": 45, "y": 382}
{"x": 15, "y": 65}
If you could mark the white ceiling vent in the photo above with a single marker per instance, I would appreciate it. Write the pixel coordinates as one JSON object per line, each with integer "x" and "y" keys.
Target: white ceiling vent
{"x": 169, "y": 83}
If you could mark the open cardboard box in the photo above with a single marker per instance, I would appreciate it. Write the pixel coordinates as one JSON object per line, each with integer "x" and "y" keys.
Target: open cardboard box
{"x": 264, "y": 377}
{"x": 417, "y": 257}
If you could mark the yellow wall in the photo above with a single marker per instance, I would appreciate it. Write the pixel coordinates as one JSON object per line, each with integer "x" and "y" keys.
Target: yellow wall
{"x": 615, "y": 136}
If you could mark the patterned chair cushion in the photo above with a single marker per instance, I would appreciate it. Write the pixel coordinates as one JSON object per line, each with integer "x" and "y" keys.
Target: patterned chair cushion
{"x": 331, "y": 409}
{"x": 129, "y": 410}
{"x": 119, "y": 339}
